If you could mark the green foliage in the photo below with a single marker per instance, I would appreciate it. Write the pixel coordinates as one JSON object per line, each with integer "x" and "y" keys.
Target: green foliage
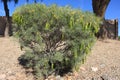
{"x": 118, "y": 37}
{"x": 58, "y": 38}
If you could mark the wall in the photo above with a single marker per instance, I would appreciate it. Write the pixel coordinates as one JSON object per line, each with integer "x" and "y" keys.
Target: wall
{"x": 112, "y": 28}
{"x": 3, "y": 21}
{"x": 109, "y": 29}
{"x": 2, "y": 25}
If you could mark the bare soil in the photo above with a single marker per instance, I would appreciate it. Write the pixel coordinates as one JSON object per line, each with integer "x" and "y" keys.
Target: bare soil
{"x": 103, "y": 63}
{"x": 105, "y": 58}
{"x": 9, "y": 65}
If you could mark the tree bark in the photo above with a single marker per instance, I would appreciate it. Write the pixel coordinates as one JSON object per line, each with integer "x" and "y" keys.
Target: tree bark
{"x": 99, "y": 7}
{"x": 35, "y": 1}
{"x": 6, "y": 32}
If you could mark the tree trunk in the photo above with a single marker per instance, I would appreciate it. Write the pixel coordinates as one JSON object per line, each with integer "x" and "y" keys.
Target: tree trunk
{"x": 99, "y": 7}
{"x": 35, "y": 1}
{"x": 6, "y": 32}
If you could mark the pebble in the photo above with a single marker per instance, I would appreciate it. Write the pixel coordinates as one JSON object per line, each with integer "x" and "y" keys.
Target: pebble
{"x": 82, "y": 68}
{"x": 59, "y": 77}
{"x": 102, "y": 65}
{"x": 94, "y": 78}
{"x": 104, "y": 77}
{"x": 94, "y": 69}
{"x": 9, "y": 72}
{"x": 97, "y": 78}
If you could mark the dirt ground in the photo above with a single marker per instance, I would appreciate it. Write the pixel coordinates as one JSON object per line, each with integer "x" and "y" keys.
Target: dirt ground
{"x": 9, "y": 67}
{"x": 103, "y": 63}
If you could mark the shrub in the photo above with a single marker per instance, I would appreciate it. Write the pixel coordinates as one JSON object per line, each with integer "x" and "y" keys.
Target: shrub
{"x": 118, "y": 37}
{"x": 58, "y": 38}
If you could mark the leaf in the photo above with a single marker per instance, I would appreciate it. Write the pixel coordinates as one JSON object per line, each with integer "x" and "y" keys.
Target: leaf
{"x": 75, "y": 53}
{"x": 47, "y": 26}
{"x": 71, "y": 22}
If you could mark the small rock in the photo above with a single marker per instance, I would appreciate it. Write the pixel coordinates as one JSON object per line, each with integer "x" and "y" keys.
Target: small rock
{"x": 104, "y": 77}
{"x": 82, "y": 68}
{"x": 52, "y": 77}
{"x": 95, "y": 69}
{"x": 75, "y": 73}
{"x": 102, "y": 65}
{"x": 68, "y": 78}
{"x": 96, "y": 78}
{"x": 9, "y": 72}
{"x": 69, "y": 74}
{"x": 59, "y": 78}
{"x": 2, "y": 76}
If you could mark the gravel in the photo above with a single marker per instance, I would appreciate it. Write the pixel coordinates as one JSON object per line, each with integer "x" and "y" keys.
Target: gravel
{"x": 103, "y": 63}
{"x": 9, "y": 65}
{"x": 105, "y": 58}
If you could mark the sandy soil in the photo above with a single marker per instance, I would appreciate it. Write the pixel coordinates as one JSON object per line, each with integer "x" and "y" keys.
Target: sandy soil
{"x": 102, "y": 64}
{"x": 9, "y": 67}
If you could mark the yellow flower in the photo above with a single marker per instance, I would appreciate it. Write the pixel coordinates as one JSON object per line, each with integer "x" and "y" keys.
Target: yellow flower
{"x": 73, "y": 12}
{"x": 55, "y": 16}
